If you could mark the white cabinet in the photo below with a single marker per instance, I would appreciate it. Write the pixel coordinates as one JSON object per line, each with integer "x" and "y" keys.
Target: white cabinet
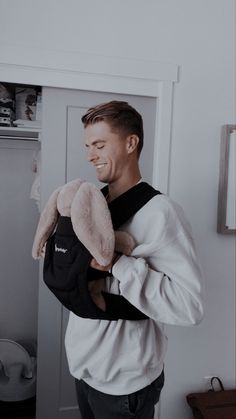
{"x": 19, "y": 215}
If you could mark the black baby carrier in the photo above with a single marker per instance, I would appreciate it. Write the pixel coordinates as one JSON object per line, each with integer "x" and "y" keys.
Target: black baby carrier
{"x": 67, "y": 268}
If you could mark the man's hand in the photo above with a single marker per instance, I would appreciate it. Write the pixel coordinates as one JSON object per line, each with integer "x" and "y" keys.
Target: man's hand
{"x": 95, "y": 265}
{"x": 42, "y": 252}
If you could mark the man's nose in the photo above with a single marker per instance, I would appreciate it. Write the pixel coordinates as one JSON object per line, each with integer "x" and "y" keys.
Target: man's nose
{"x": 91, "y": 155}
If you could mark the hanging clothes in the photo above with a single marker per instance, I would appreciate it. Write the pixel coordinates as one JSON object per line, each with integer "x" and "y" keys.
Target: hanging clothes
{"x": 35, "y": 189}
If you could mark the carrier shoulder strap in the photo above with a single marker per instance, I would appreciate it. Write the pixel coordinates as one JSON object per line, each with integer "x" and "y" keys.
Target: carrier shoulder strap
{"x": 126, "y": 205}
{"x": 122, "y": 209}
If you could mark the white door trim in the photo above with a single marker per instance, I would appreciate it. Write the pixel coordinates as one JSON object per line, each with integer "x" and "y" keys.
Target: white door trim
{"x": 61, "y": 62}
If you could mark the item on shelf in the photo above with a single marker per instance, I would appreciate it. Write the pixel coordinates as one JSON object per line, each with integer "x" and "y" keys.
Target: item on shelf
{"x": 24, "y": 123}
{"x": 7, "y": 106}
{"x": 7, "y": 113}
{"x": 26, "y": 98}
{"x": 39, "y": 107}
{"x": 6, "y": 92}
{"x": 5, "y": 121}
{"x": 7, "y": 103}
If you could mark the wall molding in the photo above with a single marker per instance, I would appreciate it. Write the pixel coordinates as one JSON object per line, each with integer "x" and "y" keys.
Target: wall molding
{"x": 75, "y": 62}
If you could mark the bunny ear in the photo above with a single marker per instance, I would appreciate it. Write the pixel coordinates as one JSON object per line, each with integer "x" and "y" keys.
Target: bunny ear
{"x": 66, "y": 196}
{"x": 46, "y": 224}
{"x": 92, "y": 224}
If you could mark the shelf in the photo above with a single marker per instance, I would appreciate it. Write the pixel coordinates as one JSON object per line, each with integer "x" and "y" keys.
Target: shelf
{"x": 17, "y": 133}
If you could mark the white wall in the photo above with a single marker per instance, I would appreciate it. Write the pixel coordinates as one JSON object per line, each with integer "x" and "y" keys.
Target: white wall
{"x": 200, "y": 37}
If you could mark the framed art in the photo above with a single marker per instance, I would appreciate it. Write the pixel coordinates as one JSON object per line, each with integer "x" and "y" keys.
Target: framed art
{"x": 226, "y": 223}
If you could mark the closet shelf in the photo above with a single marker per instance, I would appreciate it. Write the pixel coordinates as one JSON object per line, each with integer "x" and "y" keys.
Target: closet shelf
{"x": 17, "y": 133}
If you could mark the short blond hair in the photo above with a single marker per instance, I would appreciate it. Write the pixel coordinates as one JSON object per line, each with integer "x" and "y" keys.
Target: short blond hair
{"x": 120, "y": 116}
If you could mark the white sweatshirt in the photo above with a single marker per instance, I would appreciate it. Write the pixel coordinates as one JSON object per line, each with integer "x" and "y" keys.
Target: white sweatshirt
{"x": 162, "y": 279}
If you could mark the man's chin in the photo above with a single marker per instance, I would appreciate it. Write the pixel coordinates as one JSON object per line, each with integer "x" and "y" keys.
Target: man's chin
{"x": 102, "y": 179}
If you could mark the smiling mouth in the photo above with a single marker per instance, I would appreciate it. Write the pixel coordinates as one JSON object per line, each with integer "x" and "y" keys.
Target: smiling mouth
{"x": 100, "y": 166}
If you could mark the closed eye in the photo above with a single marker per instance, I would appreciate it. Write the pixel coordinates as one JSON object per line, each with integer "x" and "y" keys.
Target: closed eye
{"x": 98, "y": 144}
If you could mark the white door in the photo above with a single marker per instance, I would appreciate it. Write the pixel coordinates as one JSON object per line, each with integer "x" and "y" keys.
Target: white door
{"x": 63, "y": 159}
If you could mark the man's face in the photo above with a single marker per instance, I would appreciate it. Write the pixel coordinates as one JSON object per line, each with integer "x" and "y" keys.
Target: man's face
{"x": 107, "y": 151}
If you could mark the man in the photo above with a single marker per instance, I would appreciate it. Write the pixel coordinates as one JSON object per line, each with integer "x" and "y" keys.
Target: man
{"x": 118, "y": 365}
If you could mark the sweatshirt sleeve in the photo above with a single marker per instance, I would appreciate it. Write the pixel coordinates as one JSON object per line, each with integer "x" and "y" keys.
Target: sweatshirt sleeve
{"x": 167, "y": 285}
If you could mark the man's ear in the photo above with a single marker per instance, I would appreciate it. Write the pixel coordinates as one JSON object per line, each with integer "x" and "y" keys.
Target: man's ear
{"x": 132, "y": 143}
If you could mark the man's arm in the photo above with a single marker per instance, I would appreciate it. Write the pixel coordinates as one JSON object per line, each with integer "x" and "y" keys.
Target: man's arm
{"x": 167, "y": 287}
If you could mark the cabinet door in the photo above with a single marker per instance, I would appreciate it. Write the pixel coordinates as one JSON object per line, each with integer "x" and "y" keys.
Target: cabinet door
{"x": 18, "y": 214}
{"x": 64, "y": 159}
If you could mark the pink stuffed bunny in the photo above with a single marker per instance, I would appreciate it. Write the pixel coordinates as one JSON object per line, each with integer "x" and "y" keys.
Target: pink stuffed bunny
{"x": 91, "y": 221}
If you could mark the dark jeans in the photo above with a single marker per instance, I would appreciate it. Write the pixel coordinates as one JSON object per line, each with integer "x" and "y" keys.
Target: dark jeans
{"x": 139, "y": 405}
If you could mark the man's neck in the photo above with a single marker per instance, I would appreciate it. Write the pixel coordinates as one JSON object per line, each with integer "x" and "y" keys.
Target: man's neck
{"x": 118, "y": 188}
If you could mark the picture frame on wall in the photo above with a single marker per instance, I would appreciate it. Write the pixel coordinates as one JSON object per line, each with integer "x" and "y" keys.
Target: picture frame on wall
{"x": 226, "y": 222}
